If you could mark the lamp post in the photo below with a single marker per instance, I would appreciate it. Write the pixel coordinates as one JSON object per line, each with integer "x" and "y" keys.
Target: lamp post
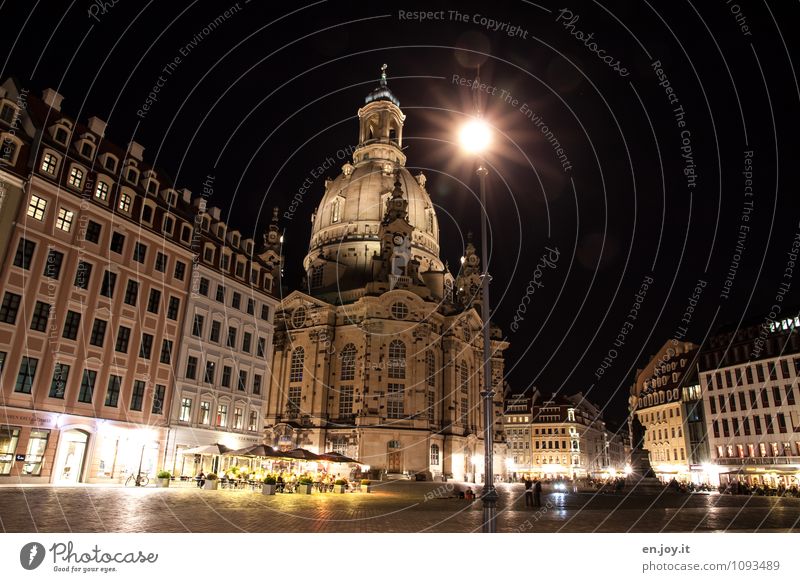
{"x": 475, "y": 137}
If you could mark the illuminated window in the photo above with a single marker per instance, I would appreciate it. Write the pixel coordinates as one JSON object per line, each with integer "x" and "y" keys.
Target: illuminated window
{"x": 345, "y": 401}
{"x": 36, "y": 207}
{"x": 348, "y": 366}
{"x": 64, "y": 220}
{"x": 434, "y": 454}
{"x": 49, "y": 163}
{"x": 238, "y": 418}
{"x": 205, "y": 412}
{"x": 75, "y": 178}
{"x": 397, "y": 359}
{"x": 336, "y": 210}
{"x": 222, "y": 415}
{"x": 296, "y": 368}
{"x": 101, "y": 191}
{"x": 395, "y": 401}
{"x": 125, "y": 202}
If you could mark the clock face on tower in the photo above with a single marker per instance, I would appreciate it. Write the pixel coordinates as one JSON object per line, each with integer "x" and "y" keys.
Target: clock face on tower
{"x": 398, "y": 240}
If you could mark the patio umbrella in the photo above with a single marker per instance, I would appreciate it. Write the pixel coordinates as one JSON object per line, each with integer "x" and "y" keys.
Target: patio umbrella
{"x": 300, "y": 455}
{"x": 254, "y": 451}
{"x": 338, "y": 458}
{"x": 215, "y": 449}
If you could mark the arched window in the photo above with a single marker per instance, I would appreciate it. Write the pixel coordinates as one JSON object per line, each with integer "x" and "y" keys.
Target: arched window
{"x": 296, "y": 368}
{"x": 430, "y": 368}
{"x": 463, "y": 378}
{"x": 348, "y": 365}
{"x": 434, "y": 454}
{"x": 397, "y": 359}
{"x": 336, "y": 210}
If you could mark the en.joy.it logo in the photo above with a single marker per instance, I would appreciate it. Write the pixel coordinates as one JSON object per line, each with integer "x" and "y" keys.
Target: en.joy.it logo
{"x": 31, "y": 555}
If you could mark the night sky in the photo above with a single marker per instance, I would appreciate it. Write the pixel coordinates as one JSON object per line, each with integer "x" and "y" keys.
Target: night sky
{"x": 659, "y": 108}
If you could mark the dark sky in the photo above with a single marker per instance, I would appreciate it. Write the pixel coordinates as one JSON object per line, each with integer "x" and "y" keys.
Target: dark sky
{"x": 273, "y": 90}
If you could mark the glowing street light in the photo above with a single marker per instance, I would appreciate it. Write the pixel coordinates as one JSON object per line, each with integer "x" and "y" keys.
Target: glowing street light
{"x": 475, "y": 136}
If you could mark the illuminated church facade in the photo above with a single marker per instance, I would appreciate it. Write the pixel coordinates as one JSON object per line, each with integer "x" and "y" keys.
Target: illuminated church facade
{"x": 379, "y": 356}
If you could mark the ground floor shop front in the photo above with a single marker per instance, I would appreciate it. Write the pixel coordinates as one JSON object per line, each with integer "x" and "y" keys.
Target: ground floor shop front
{"x": 63, "y": 449}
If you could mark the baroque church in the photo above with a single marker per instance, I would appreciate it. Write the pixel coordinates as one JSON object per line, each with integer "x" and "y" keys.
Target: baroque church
{"x": 379, "y": 356}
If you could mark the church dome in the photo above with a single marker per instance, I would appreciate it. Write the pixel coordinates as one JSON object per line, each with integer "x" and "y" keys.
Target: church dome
{"x": 345, "y": 225}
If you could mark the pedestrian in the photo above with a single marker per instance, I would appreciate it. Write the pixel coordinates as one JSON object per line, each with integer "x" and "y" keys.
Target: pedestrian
{"x": 537, "y": 493}
{"x": 528, "y": 492}
{"x": 201, "y": 479}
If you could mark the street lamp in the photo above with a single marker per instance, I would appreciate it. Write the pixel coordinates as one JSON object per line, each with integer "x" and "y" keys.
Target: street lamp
{"x": 475, "y": 137}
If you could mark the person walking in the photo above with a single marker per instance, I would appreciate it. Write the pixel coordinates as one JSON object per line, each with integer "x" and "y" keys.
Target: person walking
{"x": 537, "y": 493}
{"x": 528, "y": 492}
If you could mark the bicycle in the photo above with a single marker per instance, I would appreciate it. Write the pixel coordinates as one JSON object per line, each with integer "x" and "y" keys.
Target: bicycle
{"x": 140, "y": 480}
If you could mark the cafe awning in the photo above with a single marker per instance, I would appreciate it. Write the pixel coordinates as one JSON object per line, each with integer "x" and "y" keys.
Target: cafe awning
{"x": 215, "y": 449}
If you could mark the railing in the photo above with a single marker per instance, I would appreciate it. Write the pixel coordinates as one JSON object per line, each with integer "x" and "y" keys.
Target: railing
{"x": 758, "y": 461}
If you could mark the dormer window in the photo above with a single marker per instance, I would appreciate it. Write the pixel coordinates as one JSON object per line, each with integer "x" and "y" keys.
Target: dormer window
{"x": 253, "y": 276}
{"x": 9, "y": 148}
{"x": 224, "y": 261}
{"x": 235, "y": 240}
{"x": 75, "y": 177}
{"x": 186, "y": 233}
{"x": 8, "y": 112}
{"x": 147, "y": 214}
{"x": 208, "y": 254}
{"x": 125, "y": 202}
{"x": 240, "y": 269}
{"x": 101, "y": 191}
{"x": 249, "y": 248}
{"x": 169, "y": 224}
{"x": 221, "y": 231}
{"x": 49, "y": 163}
{"x": 152, "y": 187}
{"x": 110, "y": 163}
{"x": 61, "y": 135}
{"x": 132, "y": 175}
{"x": 171, "y": 198}
{"x": 205, "y": 224}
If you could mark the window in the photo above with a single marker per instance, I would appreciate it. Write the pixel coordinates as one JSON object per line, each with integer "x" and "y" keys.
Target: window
{"x": 112, "y": 393}
{"x": 753, "y": 400}
{"x": 222, "y": 415}
{"x": 180, "y": 270}
{"x": 125, "y": 202}
{"x": 173, "y": 308}
{"x": 139, "y": 252}
{"x": 208, "y": 377}
{"x": 166, "y": 352}
{"x": 215, "y": 331}
{"x": 769, "y": 424}
{"x": 137, "y": 395}
{"x": 205, "y": 412}
{"x": 52, "y": 268}
{"x": 49, "y": 163}
{"x": 317, "y": 273}
{"x": 169, "y": 224}
{"x": 158, "y": 399}
{"x": 242, "y": 380}
{"x": 202, "y": 287}
{"x": 161, "y": 262}
{"x": 132, "y": 292}
{"x": 252, "y": 425}
{"x": 236, "y": 300}
{"x": 434, "y": 454}
{"x": 231, "y": 337}
{"x": 223, "y": 261}
{"x": 430, "y": 368}
{"x": 41, "y": 315}
{"x": 87, "y": 386}
{"x": 208, "y": 254}
{"x": 132, "y": 175}
{"x": 240, "y": 269}
{"x": 83, "y": 274}
{"x": 261, "y": 348}
{"x": 776, "y": 395}
{"x": 764, "y": 398}
{"x": 191, "y": 367}
{"x": 186, "y": 410}
{"x": 265, "y": 313}
{"x": 72, "y": 324}
{"x": 10, "y": 307}
{"x": 109, "y": 282}
{"x": 154, "y": 303}
{"x": 146, "y": 346}
{"x": 293, "y": 402}
{"x": 93, "y": 232}
{"x": 101, "y": 191}
{"x": 123, "y": 339}
{"x": 186, "y": 234}
{"x": 399, "y": 310}
{"x": 24, "y": 255}
{"x": 336, "y": 210}
{"x": 296, "y": 366}
{"x": 238, "y": 418}
{"x": 147, "y": 213}
{"x": 394, "y": 400}
{"x": 246, "y": 341}
{"x": 27, "y": 373}
{"x": 299, "y": 317}
{"x": 430, "y": 404}
{"x": 87, "y": 149}
{"x": 98, "y": 333}
{"x": 781, "y": 422}
{"x": 257, "y": 379}
{"x": 397, "y": 359}
{"x": 34, "y": 456}
{"x": 226, "y": 376}
{"x": 75, "y": 177}
{"x": 463, "y": 379}
{"x": 790, "y": 395}
{"x": 117, "y": 242}
{"x": 64, "y": 219}
{"x": 251, "y": 307}
{"x": 757, "y": 424}
{"x": 58, "y": 386}
{"x": 221, "y": 293}
{"x": 348, "y": 363}
{"x": 346, "y": 401}
{"x": 197, "y": 325}
{"x": 464, "y": 411}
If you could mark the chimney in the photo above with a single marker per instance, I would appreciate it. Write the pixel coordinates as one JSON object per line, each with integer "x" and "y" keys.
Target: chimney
{"x": 135, "y": 151}
{"x": 97, "y": 125}
{"x": 186, "y": 194}
{"x": 215, "y": 212}
{"x": 199, "y": 203}
{"x": 52, "y": 98}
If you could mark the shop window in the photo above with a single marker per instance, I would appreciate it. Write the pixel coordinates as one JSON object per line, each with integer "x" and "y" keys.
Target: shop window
{"x": 9, "y": 437}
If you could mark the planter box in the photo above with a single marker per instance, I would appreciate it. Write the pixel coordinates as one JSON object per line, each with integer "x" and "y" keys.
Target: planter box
{"x": 304, "y": 488}
{"x": 162, "y": 482}
{"x": 268, "y": 489}
{"x": 212, "y": 485}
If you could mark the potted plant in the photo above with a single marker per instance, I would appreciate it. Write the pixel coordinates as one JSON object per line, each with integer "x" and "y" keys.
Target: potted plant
{"x": 212, "y": 481}
{"x": 163, "y": 478}
{"x": 268, "y": 488}
{"x": 365, "y": 483}
{"x": 341, "y": 485}
{"x": 304, "y": 485}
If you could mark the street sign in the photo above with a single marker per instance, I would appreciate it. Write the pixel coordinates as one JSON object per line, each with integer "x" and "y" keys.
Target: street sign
{"x": 20, "y": 457}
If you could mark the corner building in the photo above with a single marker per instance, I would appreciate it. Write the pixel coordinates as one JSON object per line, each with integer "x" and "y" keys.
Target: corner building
{"x": 379, "y": 356}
